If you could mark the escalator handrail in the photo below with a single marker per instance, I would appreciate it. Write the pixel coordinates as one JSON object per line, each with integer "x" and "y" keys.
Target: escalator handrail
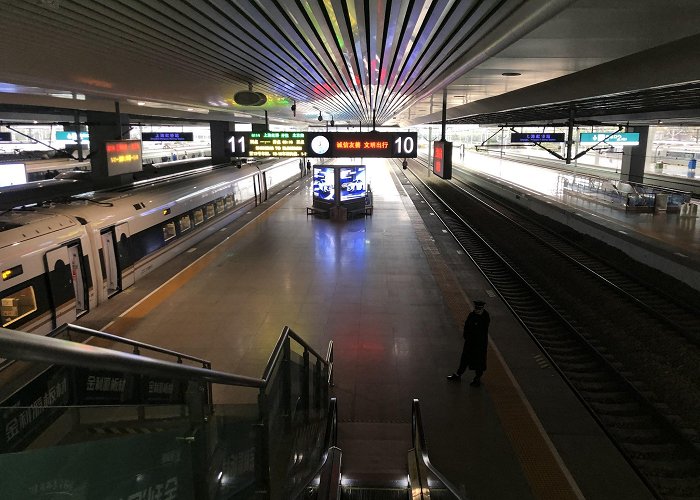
{"x": 30, "y": 347}
{"x": 421, "y": 450}
{"x": 288, "y": 333}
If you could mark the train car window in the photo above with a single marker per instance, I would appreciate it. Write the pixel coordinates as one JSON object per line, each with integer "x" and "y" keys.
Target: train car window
{"x": 18, "y": 305}
{"x": 228, "y": 202}
{"x": 210, "y": 211}
{"x": 169, "y": 231}
{"x": 185, "y": 223}
{"x": 198, "y": 216}
{"x": 220, "y": 206}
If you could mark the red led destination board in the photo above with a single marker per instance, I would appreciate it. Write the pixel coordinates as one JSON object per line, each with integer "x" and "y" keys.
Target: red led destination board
{"x": 362, "y": 144}
{"x": 123, "y": 157}
{"x": 442, "y": 159}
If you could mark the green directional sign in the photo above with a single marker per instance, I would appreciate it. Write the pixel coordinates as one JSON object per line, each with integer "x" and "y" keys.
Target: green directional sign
{"x": 618, "y": 139}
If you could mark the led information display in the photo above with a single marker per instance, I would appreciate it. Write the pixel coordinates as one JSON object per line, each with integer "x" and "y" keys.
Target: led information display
{"x": 123, "y": 157}
{"x": 167, "y": 136}
{"x": 619, "y": 139}
{"x": 362, "y": 144}
{"x": 275, "y": 144}
{"x": 442, "y": 159}
{"x": 538, "y": 137}
{"x": 5, "y": 137}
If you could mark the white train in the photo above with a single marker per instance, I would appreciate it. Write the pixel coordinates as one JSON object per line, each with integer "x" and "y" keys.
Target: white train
{"x": 61, "y": 261}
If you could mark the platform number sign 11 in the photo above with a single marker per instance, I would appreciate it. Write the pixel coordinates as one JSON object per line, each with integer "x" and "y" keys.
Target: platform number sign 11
{"x": 238, "y": 144}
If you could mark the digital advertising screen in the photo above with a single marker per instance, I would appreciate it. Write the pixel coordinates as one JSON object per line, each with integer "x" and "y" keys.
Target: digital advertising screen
{"x": 12, "y": 174}
{"x": 324, "y": 183}
{"x": 353, "y": 183}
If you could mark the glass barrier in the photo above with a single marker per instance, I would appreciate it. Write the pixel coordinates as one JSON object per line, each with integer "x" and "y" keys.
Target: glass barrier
{"x": 180, "y": 445}
{"x": 82, "y": 454}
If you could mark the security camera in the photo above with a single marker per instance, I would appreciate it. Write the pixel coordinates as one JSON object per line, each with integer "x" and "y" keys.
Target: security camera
{"x": 320, "y": 118}
{"x": 404, "y": 164}
{"x": 294, "y": 109}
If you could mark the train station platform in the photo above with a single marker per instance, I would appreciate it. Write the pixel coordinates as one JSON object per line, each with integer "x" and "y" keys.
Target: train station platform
{"x": 663, "y": 239}
{"x": 392, "y": 291}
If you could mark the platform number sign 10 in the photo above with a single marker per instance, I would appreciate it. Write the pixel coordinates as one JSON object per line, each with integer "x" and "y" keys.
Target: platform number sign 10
{"x": 405, "y": 145}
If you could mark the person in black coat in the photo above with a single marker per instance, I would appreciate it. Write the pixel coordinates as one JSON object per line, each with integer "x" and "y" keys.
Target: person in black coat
{"x": 476, "y": 329}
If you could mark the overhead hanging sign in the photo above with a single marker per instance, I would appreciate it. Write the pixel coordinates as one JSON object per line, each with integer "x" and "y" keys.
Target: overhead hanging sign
{"x": 5, "y": 137}
{"x": 265, "y": 144}
{"x": 362, "y": 144}
{"x": 123, "y": 157}
{"x": 537, "y": 137}
{"x": 618, "y": 139}
{"x": 442, "y": 159}
{"x": 167, "y": 136}
{"x": 65, "y": 135}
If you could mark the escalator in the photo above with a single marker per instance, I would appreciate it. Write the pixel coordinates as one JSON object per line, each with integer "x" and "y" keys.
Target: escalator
{"x": 112, "y": 423}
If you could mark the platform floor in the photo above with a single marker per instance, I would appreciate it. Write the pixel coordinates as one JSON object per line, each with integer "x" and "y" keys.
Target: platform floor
{"x": 669, "y": 232}
{"x": 392, "y": 291}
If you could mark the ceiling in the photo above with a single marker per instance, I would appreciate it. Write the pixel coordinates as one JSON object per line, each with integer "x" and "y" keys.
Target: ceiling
{"x": 352, "y": 61}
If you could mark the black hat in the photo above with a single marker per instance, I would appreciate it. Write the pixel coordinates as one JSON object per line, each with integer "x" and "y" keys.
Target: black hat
{"x": 478, "y": 304}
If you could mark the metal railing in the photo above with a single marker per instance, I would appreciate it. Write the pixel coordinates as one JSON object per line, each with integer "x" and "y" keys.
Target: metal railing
{"x": 293, "y": 391}
{"x": 421, "y": 483}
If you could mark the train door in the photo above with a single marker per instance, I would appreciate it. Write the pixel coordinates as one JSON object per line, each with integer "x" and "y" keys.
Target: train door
{"x": 110, "y": 265}
{"x": 264, "y": 186}
{"x": 124, "y": 255}
{"x": 61, "y": 291}
{"x": 258, "y": 189}
{"x": 79, "y": 276}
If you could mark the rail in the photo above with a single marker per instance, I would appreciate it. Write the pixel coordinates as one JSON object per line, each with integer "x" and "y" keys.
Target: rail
{"x": 30, "y": 347}
{"x": 292, "y": 398}
{"x": 70, "y": 328}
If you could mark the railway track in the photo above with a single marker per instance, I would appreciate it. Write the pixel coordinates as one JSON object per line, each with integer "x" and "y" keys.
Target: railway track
{"x": 627, "y": 349}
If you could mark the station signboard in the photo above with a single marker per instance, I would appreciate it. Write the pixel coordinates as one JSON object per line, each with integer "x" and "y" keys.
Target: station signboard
{"x": 532, "y": 137}
{"x": 167, "y": 136}
{"x": 618, "y": 139}
{"x": 5, "y": 137}
{"x": 67, "y": 135}
{"x": 123, "y": 157}
{"x": 267, "y": 144}
{"x": 362, "y": 144}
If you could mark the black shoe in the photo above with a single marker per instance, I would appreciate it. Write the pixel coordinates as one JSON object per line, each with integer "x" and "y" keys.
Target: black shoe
{"x": 475, "y": 383}
{"x": 454, "y": 377}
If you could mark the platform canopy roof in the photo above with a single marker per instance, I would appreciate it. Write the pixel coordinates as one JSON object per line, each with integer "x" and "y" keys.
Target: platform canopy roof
{"x": 356, "y": 61}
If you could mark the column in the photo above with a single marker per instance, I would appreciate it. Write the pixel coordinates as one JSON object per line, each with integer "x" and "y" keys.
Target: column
{"x": 103, "y": 127}
{"x": 219, "y": 147}
{"x": 634, "y": 157}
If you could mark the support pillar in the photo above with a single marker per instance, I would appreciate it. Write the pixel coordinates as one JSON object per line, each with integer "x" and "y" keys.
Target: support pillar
{"x": 104, "y": 127}
{"x": 634, "y": 157}
{"x": 218, "y": 132}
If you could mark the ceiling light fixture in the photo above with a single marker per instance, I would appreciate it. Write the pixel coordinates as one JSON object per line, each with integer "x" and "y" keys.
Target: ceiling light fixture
{"x": 511, "y": 73}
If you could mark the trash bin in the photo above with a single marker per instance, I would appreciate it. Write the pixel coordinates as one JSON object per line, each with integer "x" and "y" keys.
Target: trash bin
{"x": 661, "y": 201}
{"x": 691, "y": 168}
